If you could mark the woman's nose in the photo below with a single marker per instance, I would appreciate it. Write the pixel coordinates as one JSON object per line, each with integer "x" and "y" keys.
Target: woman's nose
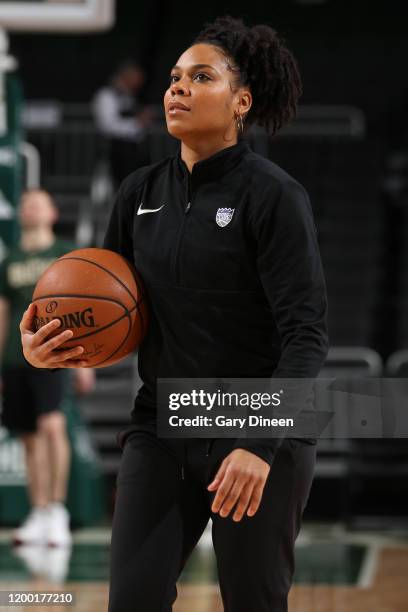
{"x": 179, "y": 88}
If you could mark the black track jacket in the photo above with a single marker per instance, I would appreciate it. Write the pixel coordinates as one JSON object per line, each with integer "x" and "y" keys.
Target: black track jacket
{"x": 231, "y": 266}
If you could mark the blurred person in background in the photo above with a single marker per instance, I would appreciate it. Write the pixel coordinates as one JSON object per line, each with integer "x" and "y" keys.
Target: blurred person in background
{"x": 32, "y": 398}
{"x": 120, "y": 116}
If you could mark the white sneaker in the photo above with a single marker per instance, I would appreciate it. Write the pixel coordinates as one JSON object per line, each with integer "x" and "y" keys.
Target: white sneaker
{"x": 34, "y": 529}
{"x": 58, "y": 526}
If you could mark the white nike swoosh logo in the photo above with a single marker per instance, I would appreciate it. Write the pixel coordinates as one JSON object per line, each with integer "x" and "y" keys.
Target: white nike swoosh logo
{"x": 142, "y": 211}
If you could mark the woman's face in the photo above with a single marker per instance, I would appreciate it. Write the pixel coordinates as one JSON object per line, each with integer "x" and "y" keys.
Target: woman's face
{"x": 202, "y": 83}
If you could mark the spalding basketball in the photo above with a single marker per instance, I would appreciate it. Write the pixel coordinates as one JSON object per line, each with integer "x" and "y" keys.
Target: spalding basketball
{"x": 99, "y": 296}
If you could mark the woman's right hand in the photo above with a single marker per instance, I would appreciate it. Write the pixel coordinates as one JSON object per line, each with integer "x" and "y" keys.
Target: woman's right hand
{"x": 39, "y": 349}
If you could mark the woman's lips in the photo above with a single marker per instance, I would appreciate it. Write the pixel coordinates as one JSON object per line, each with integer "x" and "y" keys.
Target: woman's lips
{"x": 176, "y": 107}
{"x": 176, "y": 110}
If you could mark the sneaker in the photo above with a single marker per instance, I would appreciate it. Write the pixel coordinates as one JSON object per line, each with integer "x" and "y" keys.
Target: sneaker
{"x": 58, "y": 526}
{"x": 34, "y": 529}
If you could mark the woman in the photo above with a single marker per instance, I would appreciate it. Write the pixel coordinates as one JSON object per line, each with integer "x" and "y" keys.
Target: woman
{"x": 225, "y": 242}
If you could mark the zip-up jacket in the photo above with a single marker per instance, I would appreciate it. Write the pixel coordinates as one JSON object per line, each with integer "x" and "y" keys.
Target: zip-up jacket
{"x": 231, "y": 267}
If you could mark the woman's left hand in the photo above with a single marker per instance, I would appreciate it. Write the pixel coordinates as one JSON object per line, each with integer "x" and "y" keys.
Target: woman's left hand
{"x": 239, "y": 482}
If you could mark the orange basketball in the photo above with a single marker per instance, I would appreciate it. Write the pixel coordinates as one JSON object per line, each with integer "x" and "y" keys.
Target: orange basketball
{"x": 99, "y": 296}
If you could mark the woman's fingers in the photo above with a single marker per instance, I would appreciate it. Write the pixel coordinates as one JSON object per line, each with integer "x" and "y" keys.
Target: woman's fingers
{"x": 63, "y": 356}
{"x": 244, "y": 500}
{"x": 239, "y": 493}
{"x": 44, "y": 331}
{"x": 255, "y": 499}
{"x": 232, "y": 497}
{"x": 26, "y": 323}
{"x": 223, "y": 489}
{"x": 239, "y": 482}
{"x": 42, "y": 351}
{"x": 56, "y": 341}
{"x": 218, "y": 477}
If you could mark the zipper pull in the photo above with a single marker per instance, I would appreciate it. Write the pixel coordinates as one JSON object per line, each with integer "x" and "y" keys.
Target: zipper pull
{"x": 182, "y": 472}
{"x": 187, "y": 208}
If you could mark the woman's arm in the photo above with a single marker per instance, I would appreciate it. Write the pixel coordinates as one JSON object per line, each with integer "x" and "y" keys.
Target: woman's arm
{"x": 118, "y": 236}
{"x": 291, "y": 273}
{"x": 290, "y": 269}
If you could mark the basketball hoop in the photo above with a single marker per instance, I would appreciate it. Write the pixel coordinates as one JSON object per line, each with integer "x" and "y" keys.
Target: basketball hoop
{"x": 57, "y": 15}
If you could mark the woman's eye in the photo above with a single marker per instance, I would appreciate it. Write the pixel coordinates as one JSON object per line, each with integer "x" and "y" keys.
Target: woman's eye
{"x": 201, "y": 74}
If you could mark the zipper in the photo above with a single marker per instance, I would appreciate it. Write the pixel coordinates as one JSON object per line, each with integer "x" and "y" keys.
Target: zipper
{"x": 187, "y": 208}
{"x": 209, "y": 445}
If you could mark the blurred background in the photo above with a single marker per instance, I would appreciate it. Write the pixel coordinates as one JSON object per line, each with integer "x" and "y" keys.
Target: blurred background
{"x": 81, "y": 86}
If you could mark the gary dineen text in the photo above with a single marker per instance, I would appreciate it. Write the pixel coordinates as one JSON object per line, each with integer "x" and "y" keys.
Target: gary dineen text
{"x": 223, "y": 421}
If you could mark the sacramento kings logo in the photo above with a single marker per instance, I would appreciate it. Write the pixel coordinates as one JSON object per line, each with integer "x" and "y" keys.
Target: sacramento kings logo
{"x": 224, "y": 216}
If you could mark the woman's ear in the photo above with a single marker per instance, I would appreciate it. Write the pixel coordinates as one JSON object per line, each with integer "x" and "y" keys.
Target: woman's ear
{"x": 245, "y": 102}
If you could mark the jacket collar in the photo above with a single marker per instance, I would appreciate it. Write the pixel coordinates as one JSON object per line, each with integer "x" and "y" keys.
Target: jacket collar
{"x": 212, "y": 167}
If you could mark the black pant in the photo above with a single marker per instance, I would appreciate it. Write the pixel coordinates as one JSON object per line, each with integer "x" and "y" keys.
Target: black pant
{"x": 161, "y": 512}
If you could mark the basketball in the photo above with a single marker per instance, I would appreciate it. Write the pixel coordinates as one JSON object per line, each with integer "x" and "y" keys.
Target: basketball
{"x": 99, "y": 296}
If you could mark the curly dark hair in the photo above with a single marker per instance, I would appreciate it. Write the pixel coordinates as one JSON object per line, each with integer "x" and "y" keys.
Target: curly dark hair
{"x": 259, "y": 60}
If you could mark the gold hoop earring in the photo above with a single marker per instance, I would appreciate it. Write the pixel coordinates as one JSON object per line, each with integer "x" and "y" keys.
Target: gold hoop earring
{"x": 240, "y": 123}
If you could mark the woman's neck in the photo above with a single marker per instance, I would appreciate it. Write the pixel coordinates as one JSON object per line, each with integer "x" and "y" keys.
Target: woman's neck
{"x": 191, "y": 154}
{"x": 36, "y": 239}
